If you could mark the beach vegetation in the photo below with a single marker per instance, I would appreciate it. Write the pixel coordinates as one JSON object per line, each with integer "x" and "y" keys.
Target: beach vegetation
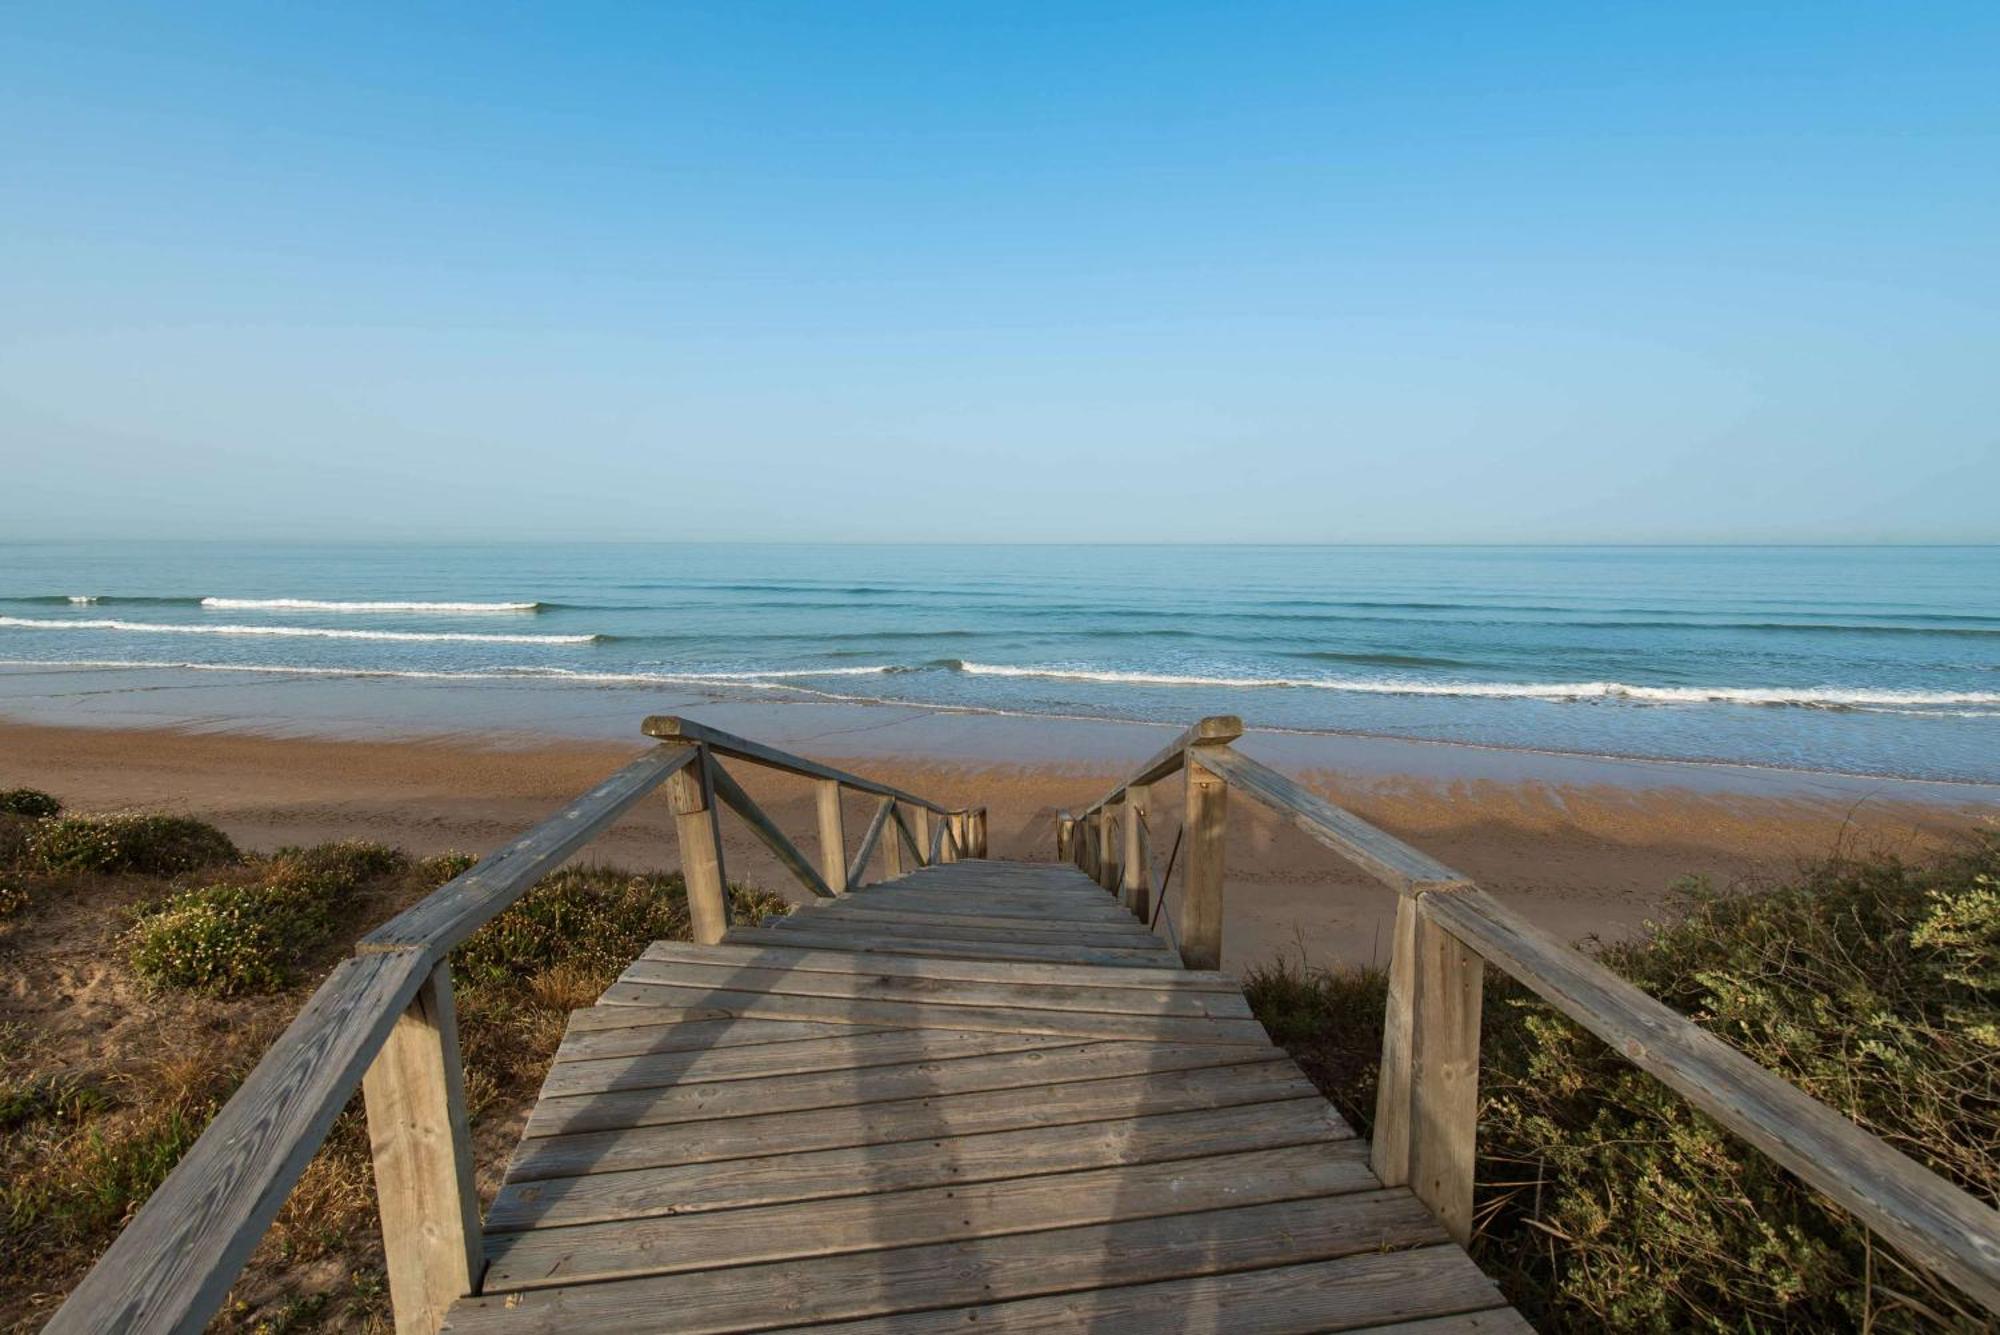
{"x": 1606, "y": 1202}
{"x": 145, "y": 843}
{"x": 208, "y": 955}
{"x": 30, "y": 802}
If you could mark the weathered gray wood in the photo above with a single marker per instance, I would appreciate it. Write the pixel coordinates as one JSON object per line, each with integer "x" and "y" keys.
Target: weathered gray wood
{"x": 773, "y": 838}
{"x": 464, "y": 904}
{"x": 1926, "y": 1218}
{"x": 1111, "y": 843}
{"x": 857, "y": 871}
{"x": 1391, "y": 1134}
{"x": 923, "y": 1118}
{"x": 174, "y": 1263}
{"x": 1065, "y": 832}
{"x": 979, "y": 833}
{"x": 1206, "y": 827}
{"x": 1050, "y": 994}
{"x": 955, "y": 1273}
{"x": 972, "y": 950}
{"x": 895, "y": 851}
{"x": 1127, "y": 934}
{"x": 872, "y": 1169}
{"x": 1377, "y": 852}
{"x": 832, "y": 834}
{"x": 1083, "y": 1060}
{"x": 863, "y": 1048}
{"x": 918, "y": 822}
{"x": 1444, "y": 1076}
{"x": 848, "y": 910}
{"x": 422, "y": 1150}
{"x": 1350, "y": 1293}
{"x": 1168, "y": 977}
{"x": 545, "y": 1258}
{"x": 672, "y": 728}
{"x": 910, "y": 895}
{"x": 1215, "y": 730}
{"x": 671, "y": 1033}
{"x": 692, "y": 792}
{"x": 1137, "y": 883}
{"x": 932, "y": 1015}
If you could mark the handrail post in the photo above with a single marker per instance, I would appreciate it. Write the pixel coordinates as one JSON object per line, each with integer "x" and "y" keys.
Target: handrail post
{"x": 1065, "y": 837}
{"x": 414, "y": 1092}
{"x": 1427, "y": 1097}
{"x": 1207, "y": 824}
{"x": 1138, "y": 893}
{"x": 920, "y": 830}
{"x": 692, "y": 790}
{"x": 1111, "y": 842}
{"x": 979, "y": 832}
{"x": 832, "y": 835}
{"x": 892, "y": 843}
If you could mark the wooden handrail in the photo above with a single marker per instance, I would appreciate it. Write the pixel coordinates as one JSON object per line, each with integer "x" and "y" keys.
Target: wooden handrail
{"x": 859, "y": 867}
{"x": 1446, "y": 930}
{"x": 464, "y": 904}
{"x": 384, "y": 1019}
{"x": 673, "y": 728}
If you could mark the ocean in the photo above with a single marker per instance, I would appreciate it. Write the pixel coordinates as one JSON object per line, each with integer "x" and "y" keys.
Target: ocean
{"x": 1870, "y": 660}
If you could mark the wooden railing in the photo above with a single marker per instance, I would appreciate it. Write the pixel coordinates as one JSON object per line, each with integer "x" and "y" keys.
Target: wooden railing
{"x": 383, "y": 1020}
{"x": 1447, "y": 930}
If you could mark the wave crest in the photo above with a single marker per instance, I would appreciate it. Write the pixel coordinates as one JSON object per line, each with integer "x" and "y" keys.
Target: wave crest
{"x": 326, "y": 605}
{"x": 290, "y": 632}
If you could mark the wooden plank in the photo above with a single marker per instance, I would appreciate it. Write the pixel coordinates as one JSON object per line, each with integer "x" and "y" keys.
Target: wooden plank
{"x": 1095, "y": 1060}
{"x": 1016, "y": 994}
{"x": 672, "y": 728}
{"x": 1207, "y": 826}
{"x": 422, "y": 1153}
{"x": 918, "y": 1014}
{"x": 549, "y": 1257}
{"x": 906, "y": 1165}
{"x": 768, "y": 936}
{"x": 1118, "y": 936}
{"x": 1391, "y": 1133}
{"x": 1444, "y": 1085}
{"x": 464, "y": 904}
{"x": 1923, "y": 1216}
{"x": 1137, "y": 883}
{"x": 175, "y": 1262}
{"x": 957, "y": 1273}
{"x": 889, "y": 1047}
{"x": 1111, "y": 840}
{"x": 992, "y": 971}
{"x": 770, "y": 835}
{"x": 692, "y": 792}
{"x": 907, "y": 855}
{"x": 673, "y": 1035}
{"x": 863, "y": 913}
{"x": 1350, "y": 1293}
{"x": 928, "y": 1118}
{"x": 922, "y": 846}
{"x": 1375, "y": 851}
{"x": 903, "y": 897}
{"x": 1216, "y": 730}
{"x": 832, "y": 834}
{"x": 857, "y": 871}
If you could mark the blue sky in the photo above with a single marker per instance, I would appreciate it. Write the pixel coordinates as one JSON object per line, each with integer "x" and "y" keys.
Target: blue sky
{"x": 1331, "y": 272}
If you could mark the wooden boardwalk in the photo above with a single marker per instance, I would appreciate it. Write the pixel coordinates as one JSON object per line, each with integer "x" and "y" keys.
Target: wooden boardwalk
{"x": 978, "y": 1096}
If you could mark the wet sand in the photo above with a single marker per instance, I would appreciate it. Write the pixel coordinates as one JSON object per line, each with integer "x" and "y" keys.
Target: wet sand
{"x": 1582, "y": 846}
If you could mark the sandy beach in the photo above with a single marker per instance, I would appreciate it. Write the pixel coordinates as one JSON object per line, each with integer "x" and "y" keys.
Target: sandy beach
{"x": 1584, "y": 847}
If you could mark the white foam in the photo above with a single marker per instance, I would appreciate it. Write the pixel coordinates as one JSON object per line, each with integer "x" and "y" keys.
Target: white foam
{"x": 291, "y": 632}
{"x": 83, "y": 597}
{"x": 320, "y": 605}
{"x": 1827, "y": 697}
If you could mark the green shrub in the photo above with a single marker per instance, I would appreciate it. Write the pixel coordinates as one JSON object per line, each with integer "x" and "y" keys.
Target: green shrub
{"x": 340, "y": 868}
{"x": 433, "y": 872}
{"x": 151, "y": 845}
{"x": 13, "y": 894}
{"x": 16, "y": 837}
{"x": 29, "y": 802}
{"x": 594, "y": 919}
{"x": 227, "y": 940}
{"x": 1608, "y": 1203}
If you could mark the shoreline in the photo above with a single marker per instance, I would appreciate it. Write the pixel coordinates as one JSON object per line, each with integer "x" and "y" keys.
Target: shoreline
{"x": 1585, "y": 848}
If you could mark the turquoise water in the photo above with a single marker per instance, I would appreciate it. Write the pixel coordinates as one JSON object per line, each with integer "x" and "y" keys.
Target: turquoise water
{"x": 1866, "y": 660}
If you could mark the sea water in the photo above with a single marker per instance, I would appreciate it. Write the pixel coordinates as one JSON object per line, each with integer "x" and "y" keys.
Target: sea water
{"x": 1880, "y": 660}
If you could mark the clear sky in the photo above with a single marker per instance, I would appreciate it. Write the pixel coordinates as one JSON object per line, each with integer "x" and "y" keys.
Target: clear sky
{"x": 1072, "y": 271}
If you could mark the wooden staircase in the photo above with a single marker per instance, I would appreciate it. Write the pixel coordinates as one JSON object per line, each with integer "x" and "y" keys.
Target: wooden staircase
{"x": 979, "y": 1096}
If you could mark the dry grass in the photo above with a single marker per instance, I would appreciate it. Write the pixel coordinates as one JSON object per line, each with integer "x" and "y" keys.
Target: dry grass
{"x": 93, "y": 1117}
